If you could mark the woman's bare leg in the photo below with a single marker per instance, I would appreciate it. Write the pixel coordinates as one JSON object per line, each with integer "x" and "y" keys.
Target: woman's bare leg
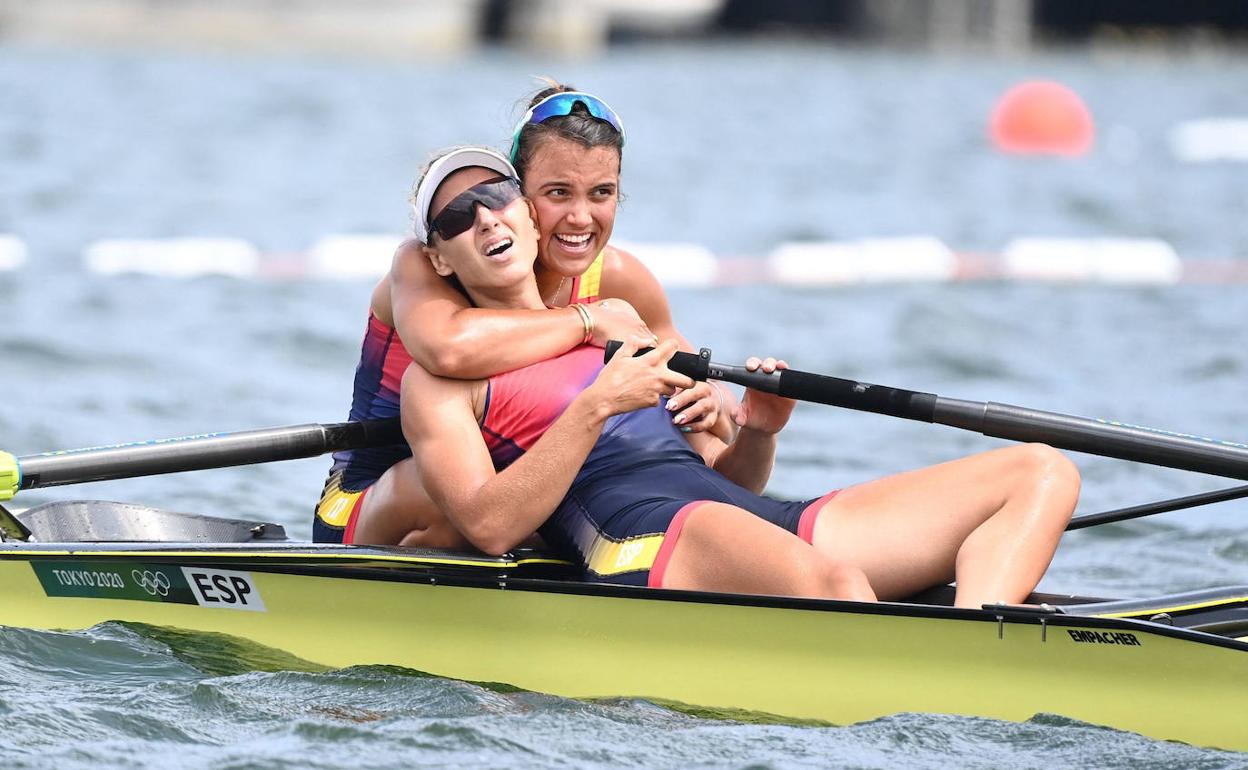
{"x": 398, "y": 511}
{"x": 724, "y": 548}
{"x": 991, "y": 521}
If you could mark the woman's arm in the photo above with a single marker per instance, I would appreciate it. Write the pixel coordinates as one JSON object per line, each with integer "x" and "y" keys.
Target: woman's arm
{"x": 496, "y": 511}
{"x": 448, "y": 337}
{"x": 706, "y": 406}
{"x": 749, "y": 459}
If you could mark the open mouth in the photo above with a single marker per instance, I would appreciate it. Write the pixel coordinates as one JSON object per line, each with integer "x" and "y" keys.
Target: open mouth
{"x": 574, "y": 242}
{"x": 498, "y": 248}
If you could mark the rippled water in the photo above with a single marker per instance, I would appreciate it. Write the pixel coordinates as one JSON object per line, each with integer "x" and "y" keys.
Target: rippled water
{"x": 114, "y": 697}
{"x": 859, "y": 143}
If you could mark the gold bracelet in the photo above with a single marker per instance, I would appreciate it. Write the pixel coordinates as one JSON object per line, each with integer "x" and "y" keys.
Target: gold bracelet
{"x": 587, "y": 321}
{"x": 589, "y": 324}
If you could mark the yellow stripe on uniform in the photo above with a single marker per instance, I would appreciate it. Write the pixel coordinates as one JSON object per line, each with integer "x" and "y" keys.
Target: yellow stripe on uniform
{"x": 335, "y": 506}
{"x": 613, "y": 557}
{"x": 591, "y": 280}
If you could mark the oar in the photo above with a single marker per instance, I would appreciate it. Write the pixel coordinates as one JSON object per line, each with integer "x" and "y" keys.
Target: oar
{"x": 1080, "y": 434}
{"x": 1161, "y": 506}
{"x": 190, "y": 453}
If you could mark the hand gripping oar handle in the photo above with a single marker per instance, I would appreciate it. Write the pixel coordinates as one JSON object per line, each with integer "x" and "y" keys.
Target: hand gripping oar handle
{"x": 191, "y": 453}
{"x": 804, "y": 386}
{"x": 1080, "y": 434}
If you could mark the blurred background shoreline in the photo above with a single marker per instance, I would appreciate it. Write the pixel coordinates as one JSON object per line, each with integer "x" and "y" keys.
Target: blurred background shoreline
{"x": 414, "y": 28}
{"x": 860, "y": 157}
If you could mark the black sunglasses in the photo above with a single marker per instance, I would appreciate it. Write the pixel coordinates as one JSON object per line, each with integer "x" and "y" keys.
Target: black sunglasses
{"x": 460, "y": 214}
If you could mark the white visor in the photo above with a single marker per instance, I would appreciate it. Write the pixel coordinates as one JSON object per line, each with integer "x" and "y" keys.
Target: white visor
{"x": 463, "y": 157}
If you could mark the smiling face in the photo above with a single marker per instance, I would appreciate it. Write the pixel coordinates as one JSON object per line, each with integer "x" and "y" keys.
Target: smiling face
{"x": 496, "y": 253}
{"x": 574, "y": 191}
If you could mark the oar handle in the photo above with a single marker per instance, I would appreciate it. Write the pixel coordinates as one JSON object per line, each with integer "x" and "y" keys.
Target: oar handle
{"x": 199, "y": 452}
{"x": 835, "y": 391}
{"x": 804, "y": 386}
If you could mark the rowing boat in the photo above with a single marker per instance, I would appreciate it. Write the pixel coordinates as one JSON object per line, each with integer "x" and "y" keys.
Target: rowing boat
{"x": 1170, "y": 667}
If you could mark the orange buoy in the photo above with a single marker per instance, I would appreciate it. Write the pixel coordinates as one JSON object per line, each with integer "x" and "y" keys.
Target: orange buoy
{"x": 1041, "y": 117}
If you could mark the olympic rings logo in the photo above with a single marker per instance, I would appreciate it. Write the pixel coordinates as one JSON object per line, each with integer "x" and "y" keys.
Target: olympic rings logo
{"x": 152, "y": 582}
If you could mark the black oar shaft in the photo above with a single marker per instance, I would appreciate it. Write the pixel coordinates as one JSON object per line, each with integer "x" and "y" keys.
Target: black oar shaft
{"x": 1162, "y": 506}
{"x": 1099, "y": 437}
{"x": 833, "y": 391}
{"x": 213, "y": 450}
{"x": 1079, "y": 434}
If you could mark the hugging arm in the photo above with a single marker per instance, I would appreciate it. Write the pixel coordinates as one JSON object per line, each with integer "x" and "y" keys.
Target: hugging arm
{"x": 448, "y": 337}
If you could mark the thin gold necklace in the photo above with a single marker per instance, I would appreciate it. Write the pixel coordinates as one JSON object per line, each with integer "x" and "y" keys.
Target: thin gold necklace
{"x": 555, "y": 296}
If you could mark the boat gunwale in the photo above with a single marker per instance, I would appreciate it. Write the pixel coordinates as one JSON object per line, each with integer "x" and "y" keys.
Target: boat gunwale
{"x": 279, "y": 550}
{"x": 456, "y": 572}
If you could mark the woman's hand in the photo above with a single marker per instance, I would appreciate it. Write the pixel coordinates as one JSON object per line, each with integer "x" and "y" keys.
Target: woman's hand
{"x": 615, "y": 319}
{"x": 696, "y": 409}
{"x": 764, "y": 412}
{"x": 627, "y": 383}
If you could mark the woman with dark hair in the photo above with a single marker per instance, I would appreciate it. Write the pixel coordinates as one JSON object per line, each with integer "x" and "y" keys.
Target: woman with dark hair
{"x": 633, "y": 502}
{"x": 568, "y": 146}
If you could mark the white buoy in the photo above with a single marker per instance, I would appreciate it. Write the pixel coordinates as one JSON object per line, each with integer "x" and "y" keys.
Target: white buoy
{"x": 12, "y": 252}
{"x": 352, "y": 257}
{"x": 676, "y": 264}
{"x": 867, "y": 260}
{"x": 1104, "y": 260}
{"x": 1210, "y": 140}
{"x": 173, "y": 257}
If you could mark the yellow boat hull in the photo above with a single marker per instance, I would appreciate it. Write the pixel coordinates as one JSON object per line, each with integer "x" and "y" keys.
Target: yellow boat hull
{"x": 479, "y": 619}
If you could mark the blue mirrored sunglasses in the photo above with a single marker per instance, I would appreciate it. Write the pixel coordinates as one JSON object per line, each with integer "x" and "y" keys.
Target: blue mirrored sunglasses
{"x": 560, "y": 104}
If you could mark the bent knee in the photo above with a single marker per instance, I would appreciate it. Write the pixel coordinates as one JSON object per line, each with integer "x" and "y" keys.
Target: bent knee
{"x": 841, "y": 580}
{"x": 1044, "y": 464}
{"x": 437, "y": 535}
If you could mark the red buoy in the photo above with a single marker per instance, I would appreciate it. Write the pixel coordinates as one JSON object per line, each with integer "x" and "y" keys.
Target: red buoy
{"x": 1041, "y": 117}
